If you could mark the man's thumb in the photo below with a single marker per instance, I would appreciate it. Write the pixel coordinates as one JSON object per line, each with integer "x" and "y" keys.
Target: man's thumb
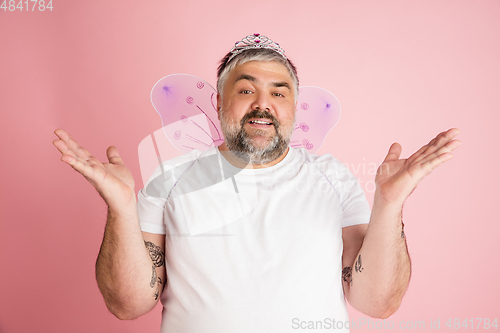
{"x": 114, "y": 156}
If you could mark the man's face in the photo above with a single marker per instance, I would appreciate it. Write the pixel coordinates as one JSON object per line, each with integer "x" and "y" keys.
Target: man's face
{"x": 257, "y": 112}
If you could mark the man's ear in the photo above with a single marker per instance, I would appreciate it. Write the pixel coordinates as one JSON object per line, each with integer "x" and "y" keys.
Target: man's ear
{"x": 219, "y": 104}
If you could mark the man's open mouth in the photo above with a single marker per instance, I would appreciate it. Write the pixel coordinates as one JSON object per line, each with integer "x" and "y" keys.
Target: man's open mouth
{"x": 260, "y": 122}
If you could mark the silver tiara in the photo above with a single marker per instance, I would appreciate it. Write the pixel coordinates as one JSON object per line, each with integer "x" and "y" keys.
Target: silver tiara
{"x": 255, "y": 41}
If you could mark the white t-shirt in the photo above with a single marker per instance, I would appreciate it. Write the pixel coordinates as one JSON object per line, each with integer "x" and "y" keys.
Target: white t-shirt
{"x": 252, "y": 250}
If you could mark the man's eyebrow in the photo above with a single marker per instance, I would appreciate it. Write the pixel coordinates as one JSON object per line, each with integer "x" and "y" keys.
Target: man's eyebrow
{"x": 273, "y": 84}
{"x": 281, "y": 84}
{"x": 246, "y": 77}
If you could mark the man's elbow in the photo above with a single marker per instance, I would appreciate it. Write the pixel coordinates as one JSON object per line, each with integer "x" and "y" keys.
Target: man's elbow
{"x": 125, "y": 314}
{"x": 122, "y": 315}
{"x": 385, "y": 309}
{"x": 378, "y": 306}
{"x": 387, "y": 301}
{"x": 128, "y": 311}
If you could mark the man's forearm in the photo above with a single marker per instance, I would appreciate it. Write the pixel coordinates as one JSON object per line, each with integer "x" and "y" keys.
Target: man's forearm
{"x": 123, "y": 267}
{"x": 381, "y": 270}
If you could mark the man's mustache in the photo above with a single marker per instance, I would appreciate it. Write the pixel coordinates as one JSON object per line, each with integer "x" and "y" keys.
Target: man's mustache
{"x": 260, "y": 114}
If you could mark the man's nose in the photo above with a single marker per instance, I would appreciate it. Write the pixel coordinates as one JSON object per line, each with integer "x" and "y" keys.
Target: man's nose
{"x": 262, "y": 102}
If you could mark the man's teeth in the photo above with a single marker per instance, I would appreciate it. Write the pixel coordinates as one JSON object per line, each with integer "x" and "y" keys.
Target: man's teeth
{"x": 259, "y": 122}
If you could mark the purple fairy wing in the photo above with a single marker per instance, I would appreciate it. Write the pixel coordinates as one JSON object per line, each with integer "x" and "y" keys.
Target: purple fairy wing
{"x": 187, "y": 107}
{"x": 318, "y": 111}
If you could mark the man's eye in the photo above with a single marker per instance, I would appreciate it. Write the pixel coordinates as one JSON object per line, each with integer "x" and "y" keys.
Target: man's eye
{"x": 246, "y": 91}
{"x": 279, "y": 95}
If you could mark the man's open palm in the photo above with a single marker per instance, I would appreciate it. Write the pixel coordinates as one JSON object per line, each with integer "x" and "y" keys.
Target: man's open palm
{"x": 112, "y": 180}
{"x": 397, "y": 178}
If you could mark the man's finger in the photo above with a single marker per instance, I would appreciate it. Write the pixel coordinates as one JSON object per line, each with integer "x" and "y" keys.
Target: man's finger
{"x": 61, "y": 133}
{"x": 72, "y": 144}
{"x": 417, "y": 154}
{"x": 440, "y": 141}
{"x": 433, "y": 163}
{"x": 443, "y": 138}
{"x": 114, "y": 156}
{"x": 63, "y": 148}
{"x": 77, "y": 163}
{"x": 394, "y": 152}
{"x": 448, "y": 148}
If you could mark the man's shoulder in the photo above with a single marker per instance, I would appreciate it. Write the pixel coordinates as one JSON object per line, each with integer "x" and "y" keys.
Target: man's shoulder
{"x": 326, "y": 160}
{"x": 326, "y": 165}
{"x": 175, "y": 167}
{"x": 190, "y": 156}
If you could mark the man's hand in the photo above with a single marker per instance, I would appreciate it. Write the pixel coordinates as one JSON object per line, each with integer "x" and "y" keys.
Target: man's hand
{"x": 397, "y": 178}
{"x": 129, "y": 280}
{"x": 377, "y": 287}
{"x": 112, "y": 180}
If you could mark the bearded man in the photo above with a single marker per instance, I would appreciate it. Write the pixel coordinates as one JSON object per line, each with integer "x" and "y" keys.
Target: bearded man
{"x": 273, "y": 247}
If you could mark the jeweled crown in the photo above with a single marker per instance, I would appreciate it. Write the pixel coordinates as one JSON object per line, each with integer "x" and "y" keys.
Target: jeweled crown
{"x": 255, "y": 41}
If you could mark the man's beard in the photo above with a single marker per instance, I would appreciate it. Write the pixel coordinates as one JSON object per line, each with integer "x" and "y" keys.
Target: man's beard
{"x": 239, "y": 141}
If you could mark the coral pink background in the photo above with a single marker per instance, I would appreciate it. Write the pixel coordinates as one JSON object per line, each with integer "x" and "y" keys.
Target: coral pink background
{"x": 402, "y": 71}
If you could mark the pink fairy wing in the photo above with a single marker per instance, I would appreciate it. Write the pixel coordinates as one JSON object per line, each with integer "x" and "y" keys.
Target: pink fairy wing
{"x": 318, "y": 111}
{"x": 187, "y": 106}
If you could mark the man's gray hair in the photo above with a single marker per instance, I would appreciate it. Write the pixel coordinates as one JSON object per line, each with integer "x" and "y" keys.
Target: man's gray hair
{"x": 260, "y": 54}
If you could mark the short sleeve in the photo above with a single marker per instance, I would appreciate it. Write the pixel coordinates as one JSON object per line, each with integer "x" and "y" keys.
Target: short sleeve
{"x": 150, "y": 211}
{"x": 152, "y": 199}
{"x": 355, "y": 208}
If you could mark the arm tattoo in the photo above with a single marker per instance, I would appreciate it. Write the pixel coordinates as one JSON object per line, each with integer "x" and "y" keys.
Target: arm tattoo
{"x": 402, "y": 229}
{"x": 357, "y": 265}
{"x": 158, "y": 257}
{"x": 156, "y": 254}
{"x": 153, "y": 278}
{"x": 157, "y": 291}
{"x": 347, "y": 275}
